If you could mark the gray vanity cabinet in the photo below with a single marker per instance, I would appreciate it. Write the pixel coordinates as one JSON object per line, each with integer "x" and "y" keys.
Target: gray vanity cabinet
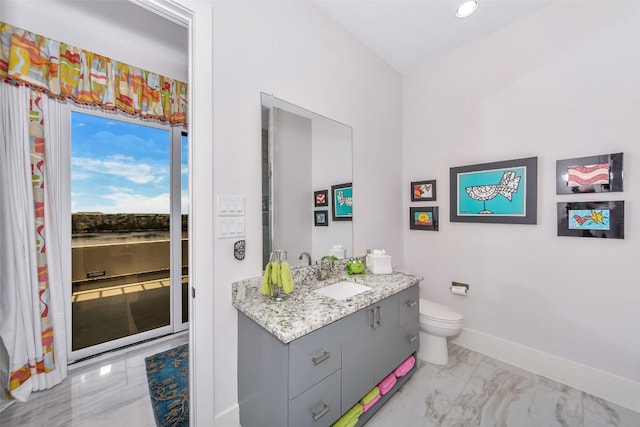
{"x": 316, "y": 378}
{"x": 370, "y": 342}
{"x": 375, "y": 340}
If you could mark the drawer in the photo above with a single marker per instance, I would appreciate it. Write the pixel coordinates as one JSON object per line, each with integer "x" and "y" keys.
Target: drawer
{"x": 319, "y": 406}
{"x": 409, "y": 340}
{"x": 409, "y": 305}
{"x": 313, "y": 357}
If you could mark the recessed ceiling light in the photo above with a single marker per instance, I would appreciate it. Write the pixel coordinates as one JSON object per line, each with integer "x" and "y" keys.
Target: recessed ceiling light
{"x": 466, "y": 8}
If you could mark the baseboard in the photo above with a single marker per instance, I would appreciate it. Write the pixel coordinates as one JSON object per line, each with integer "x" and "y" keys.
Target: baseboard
{"x": 228, "y": 418}
{"x": 4, "y": 404}
{"x": 615, "y": 389}
{"x": 124, "y": 351}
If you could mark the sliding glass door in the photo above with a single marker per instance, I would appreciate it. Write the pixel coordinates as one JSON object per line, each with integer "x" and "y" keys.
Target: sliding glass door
{"x": 129, "y": 216}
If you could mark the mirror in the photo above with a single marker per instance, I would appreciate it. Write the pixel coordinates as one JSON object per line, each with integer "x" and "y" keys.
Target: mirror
{"x": 305, "y": 154}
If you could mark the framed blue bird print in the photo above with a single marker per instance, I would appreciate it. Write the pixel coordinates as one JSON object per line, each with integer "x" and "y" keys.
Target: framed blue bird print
{"x": 498, "y": 192}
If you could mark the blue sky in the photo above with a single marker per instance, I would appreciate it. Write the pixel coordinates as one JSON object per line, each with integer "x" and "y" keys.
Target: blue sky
{"x": 120, "y": 167}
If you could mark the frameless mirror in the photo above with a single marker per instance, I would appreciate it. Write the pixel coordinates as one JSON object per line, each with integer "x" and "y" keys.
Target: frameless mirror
{"x": 304, "y": 155}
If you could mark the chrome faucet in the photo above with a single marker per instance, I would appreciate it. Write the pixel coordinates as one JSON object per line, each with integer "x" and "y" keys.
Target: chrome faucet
{"x": 305, "y": 254}
{"x": 326, "y": 263}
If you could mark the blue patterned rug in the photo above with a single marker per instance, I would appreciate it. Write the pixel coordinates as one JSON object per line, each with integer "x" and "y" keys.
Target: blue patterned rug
{"x": 168, "y": 378}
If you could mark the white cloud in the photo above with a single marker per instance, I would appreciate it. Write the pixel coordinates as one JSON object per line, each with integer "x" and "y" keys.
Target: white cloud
{"x": 122, "y": 166}
{"x": 81, "y": 175}
{"x": 126, "y": 202}
{"x": 121, "y": 157}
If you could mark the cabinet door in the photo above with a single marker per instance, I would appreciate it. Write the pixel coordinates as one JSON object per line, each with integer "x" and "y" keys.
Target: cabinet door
{"x": 385, "y": 342}
{"x": 357, "y": 356}
{"x": 409, "y": 304}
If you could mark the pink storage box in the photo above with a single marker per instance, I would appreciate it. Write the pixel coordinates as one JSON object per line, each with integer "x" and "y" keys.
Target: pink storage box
{"x": 387, "y": 383}
{"x": 405, "y": 367}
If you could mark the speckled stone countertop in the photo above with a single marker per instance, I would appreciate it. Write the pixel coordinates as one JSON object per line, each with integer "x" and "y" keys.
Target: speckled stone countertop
{"x": 303, "y": 310}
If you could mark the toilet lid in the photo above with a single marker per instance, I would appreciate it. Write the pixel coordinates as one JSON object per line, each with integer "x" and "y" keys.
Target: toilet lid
{"x": 438, "y": 311}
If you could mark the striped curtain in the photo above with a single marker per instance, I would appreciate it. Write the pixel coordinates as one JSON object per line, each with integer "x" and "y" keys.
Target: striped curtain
{"x": 67, "y": 72}
{"x": 55, "y": 70}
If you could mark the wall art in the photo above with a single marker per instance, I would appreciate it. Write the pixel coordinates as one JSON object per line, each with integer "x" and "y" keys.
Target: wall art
{"x": 424, "y": 218}
{"x": 321, "y": 218}
{"x": 594, "y": 174}
{"x": 342, "y": 202}
{"x": 321, "y": 198}
{"x": 423, "y": 191}
{"x": 591, "y": 219}
{"x": 498, "y": 192}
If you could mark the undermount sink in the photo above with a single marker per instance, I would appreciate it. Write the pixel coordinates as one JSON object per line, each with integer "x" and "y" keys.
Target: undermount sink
{"x": 342, "y": 290}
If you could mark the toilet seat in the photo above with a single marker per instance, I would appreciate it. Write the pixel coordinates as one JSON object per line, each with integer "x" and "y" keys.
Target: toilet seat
{"x": 430, "y": 310}
{"x": 438, "y": 323}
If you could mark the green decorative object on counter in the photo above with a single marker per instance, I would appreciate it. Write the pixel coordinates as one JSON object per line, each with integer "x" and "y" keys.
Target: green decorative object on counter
{"x": 355, "y": 267}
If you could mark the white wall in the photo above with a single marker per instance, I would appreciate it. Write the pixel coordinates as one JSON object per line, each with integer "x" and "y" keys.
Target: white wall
{"x": 559, "y": 84}
{"x": 293, "y": 51}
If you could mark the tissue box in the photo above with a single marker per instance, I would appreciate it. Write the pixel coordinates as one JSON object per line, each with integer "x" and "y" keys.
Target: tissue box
{"x": 379, "y": 264}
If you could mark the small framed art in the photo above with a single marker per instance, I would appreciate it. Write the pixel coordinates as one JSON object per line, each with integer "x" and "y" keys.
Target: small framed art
{"x": 320, "y": 218}
{"x": 424, "y": 218}
{"x": 321, "y": 198}
{"x": 422, "y": 191}
{"x": 342, "y": 202}
{"x": 591, "y": 219}
{"x": 594, "y": 174}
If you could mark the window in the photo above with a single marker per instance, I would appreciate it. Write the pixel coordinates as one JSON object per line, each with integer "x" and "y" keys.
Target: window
{"x": 129, "y": 230}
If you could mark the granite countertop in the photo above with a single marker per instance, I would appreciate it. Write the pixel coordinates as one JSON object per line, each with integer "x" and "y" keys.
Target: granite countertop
{"x": 303, "y": 310}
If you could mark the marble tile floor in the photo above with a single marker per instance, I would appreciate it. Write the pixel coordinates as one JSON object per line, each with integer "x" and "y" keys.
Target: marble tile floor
{"x": 105, "y": 392}
{"x": 472, "y": 390}
{"x": 476, "y": 390}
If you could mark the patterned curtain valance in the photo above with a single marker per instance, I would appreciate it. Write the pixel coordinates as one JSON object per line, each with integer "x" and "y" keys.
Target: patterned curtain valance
{"x": 67, "y": 72}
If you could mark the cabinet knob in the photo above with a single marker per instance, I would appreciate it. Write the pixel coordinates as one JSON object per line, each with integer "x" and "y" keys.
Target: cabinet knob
{"x": 411, "y": 303}
{"x": 319, "y": 411}
{"x": 319, "y": 359}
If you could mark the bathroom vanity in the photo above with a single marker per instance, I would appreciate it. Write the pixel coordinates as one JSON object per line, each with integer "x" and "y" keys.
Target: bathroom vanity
{"x": 307, "y": 360}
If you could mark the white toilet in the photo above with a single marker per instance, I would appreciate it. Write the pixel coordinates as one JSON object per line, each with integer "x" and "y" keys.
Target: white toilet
{"x": 437, "y": 322}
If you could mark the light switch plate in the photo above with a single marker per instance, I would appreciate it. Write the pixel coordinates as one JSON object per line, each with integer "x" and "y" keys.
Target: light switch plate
{"x": 230, "y": 206}
{"x": 230, "y": 227}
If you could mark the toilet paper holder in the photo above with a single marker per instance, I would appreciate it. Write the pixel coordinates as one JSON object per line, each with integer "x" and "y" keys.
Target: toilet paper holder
{"x": 459, "y": 288}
